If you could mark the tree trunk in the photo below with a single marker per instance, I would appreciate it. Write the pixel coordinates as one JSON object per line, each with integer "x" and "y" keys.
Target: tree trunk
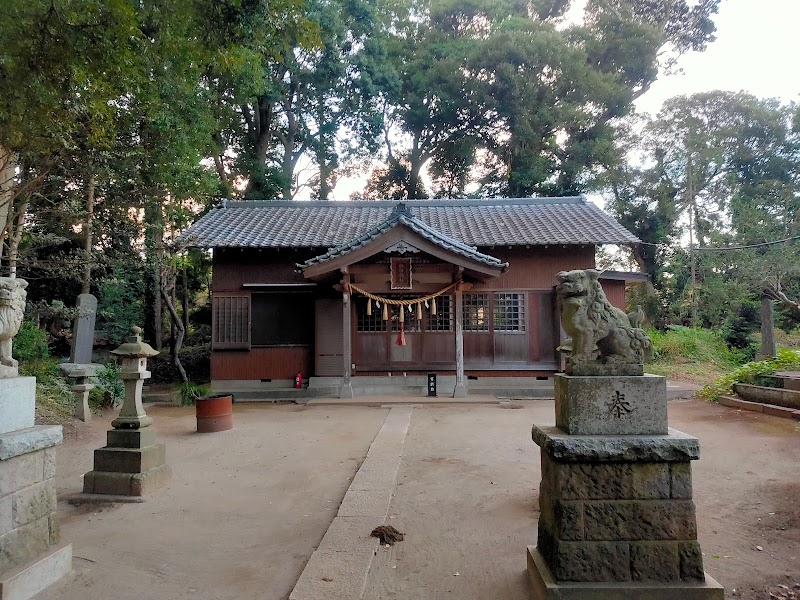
{"x": 154, "y": 247}
{"x": 768, "y": 348}
{"x": 15, "y": 235}
{"x": 179, "y": 326}
{"x": 414, "y": 178}
{"x": 185, "y": 297}
{"x": 8, "y": 171}
{"x": 87, "y": 240}
{"x": 173, "y": 299}
{"x": 324, "y": 179}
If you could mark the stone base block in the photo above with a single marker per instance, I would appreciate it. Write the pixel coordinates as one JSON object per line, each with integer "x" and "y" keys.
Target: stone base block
{"x": 17, "y": 403}
{"x": 130, "y": 460}
{"x": 545, "y": 587}
{"x": 28, "y": 580}
{"x": 107, "y": 486}
{"x": 614, "y": 405}
{"x": 676, "y": 446}
{"x": 131, "y": 438}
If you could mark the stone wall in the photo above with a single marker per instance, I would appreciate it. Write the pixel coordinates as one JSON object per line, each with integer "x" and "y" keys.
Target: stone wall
{"x": 28, "y": 521}
{"x": 619, "y": 521}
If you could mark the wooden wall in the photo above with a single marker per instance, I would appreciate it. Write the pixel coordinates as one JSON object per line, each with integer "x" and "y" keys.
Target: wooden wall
{"x": 232, "y": 268}
{"x": 261, "y": 363}
{"x": 615, "y": 291}
{"x": 532, "y": 271}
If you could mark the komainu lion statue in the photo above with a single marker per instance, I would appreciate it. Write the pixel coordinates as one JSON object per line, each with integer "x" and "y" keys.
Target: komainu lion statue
{"x": 12, "y": 309}
{"x": 591, "y": 320}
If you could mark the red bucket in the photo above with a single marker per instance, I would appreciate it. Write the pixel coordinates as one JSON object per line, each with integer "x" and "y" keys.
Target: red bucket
{"x": 214, "y": 413}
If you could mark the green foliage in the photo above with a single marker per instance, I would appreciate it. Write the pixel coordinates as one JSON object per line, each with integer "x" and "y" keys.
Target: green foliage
{"x": 190, "y": 392}
{"x": 108, "y": 380}
{"x": 739, "y": 327}
{"x": 120, "y": 304}
{"x": 727, "y": 161}
{"x": 747, "y": 373}
{"x": 55, "y": 402}
{"x": 700, "y": 345}
{"x": 30, "y": 343}
{"x": 696, "y": 356}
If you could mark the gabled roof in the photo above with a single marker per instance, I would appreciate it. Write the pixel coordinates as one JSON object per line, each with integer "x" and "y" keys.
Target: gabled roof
{"x": 402, "y": 216}
{"x": 489, "y": 222}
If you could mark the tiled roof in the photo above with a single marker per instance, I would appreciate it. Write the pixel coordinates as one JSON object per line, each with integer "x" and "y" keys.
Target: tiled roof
{"x": 401, "y": 215}
{"x": 490, "y": 222}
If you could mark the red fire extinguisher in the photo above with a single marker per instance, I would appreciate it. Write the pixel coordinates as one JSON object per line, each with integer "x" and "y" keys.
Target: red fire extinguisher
{"x": 298, "y": 381}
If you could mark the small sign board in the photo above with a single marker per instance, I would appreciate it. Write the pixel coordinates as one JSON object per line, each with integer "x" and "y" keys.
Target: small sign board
{"x": 401, "y": 273}
{"x": 432, "y": 385}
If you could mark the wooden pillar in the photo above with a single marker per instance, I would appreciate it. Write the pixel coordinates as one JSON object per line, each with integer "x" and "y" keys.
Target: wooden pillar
{"x": 347, "y": 386}
{"x": 460, "y": 390}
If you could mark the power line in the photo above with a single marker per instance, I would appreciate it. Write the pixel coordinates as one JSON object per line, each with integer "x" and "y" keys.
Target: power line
{"x": 726, "y": 248}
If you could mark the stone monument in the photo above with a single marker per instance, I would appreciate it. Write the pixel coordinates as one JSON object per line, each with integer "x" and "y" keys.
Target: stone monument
{"x": 616, "y": 517}
{"x": 83, "y": 330}
{"x": 80, "y": 367}
{"x": 31, "y": 554}
{"x": 132, "y": 464}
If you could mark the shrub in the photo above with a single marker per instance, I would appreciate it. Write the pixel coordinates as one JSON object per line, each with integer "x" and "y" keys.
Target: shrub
{"x": 747, "y": 373}
{"x": 190, "y": 392}
{"x": 739, "y": 327}
{"x": 700, "y": 345}
{"x": 110, "y": 389}
{"x": 196, "y": 360}
{"x": 30, "y": 343}
{"x": 55, "y": 402}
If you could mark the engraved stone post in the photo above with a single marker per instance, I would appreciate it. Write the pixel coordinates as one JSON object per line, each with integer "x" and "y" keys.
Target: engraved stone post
{"x": 83, "y": 330}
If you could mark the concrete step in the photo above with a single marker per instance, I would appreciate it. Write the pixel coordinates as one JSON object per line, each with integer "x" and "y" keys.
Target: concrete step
{"x": 767, "y": 409}
{"x": 768, "y": 395}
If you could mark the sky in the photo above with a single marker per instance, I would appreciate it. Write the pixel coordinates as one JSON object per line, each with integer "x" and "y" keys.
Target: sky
{"x": 756, "y": 50}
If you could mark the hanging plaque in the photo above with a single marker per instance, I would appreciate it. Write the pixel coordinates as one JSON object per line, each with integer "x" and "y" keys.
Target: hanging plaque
{"x": 401, "y": 273}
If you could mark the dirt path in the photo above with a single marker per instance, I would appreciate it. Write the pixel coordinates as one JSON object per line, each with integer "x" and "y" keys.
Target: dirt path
{"x": 747, "y": 491}
{"x": 240, "y": 517}
{"x": 467, "y": 502}
{"x": 246, "y": 508}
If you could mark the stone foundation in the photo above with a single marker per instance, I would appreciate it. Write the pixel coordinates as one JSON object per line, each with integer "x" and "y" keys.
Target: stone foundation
{"x": 616, "y": 518}
{"x": 29, "y": 528}
{"x": 618, "y": 521}
{"x": 129, "y": 467}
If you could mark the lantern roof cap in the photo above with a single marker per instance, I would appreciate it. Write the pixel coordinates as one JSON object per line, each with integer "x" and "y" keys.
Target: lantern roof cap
{"x": 134, "y": 347}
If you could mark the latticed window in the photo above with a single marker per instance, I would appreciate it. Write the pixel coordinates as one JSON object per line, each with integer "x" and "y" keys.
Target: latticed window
{"x": 230, "y": 322}
{"x": 410, "y": 321}
{"x": 365, "y": 322}
{"x": 509, "y": 311}
{"x": 443, "y": 319}
{"x": 476, "y": 312}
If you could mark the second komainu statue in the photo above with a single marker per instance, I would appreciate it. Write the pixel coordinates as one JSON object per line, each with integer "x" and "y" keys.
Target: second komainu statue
{"x": 592, "y": 322}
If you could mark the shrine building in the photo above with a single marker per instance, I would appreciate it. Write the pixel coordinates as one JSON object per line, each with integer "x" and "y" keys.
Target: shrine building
{"x": 348, "y": 292}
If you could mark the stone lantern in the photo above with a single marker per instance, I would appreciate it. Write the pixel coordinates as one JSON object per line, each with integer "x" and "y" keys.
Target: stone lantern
{"x": 132, "y": 464}
{"x": 134, "y": 354}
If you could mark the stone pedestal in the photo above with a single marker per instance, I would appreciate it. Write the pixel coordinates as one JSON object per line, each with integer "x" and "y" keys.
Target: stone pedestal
{"x": 81, "y": 375}
{"x": 616, "y": 513}
{"x": 128, "y": 468}
{"x": 31, "y": 557}
{"x": 132, "y": 464}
